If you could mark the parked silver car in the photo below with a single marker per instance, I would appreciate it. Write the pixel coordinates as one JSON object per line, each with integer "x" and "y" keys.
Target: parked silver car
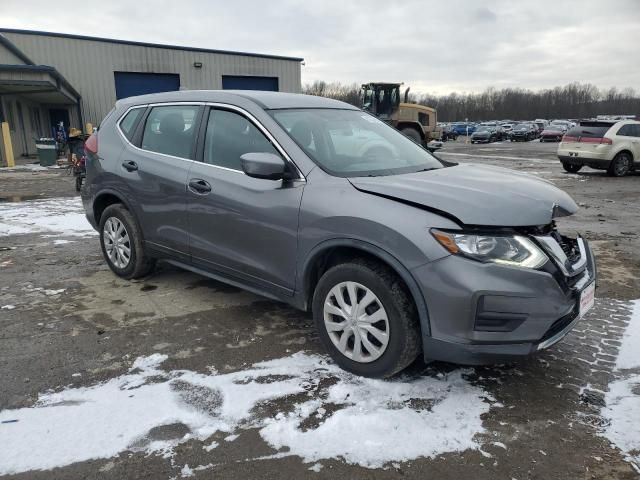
{"x": 318, "y": 204}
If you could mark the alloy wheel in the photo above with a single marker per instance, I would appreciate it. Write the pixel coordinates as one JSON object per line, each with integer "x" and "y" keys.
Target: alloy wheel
{"x": 621, "y": 165}
{"x": 116, "y": 242}
{"x": 356, "y": 322}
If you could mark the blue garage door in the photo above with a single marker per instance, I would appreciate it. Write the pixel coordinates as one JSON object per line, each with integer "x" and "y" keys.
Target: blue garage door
{"x": 129, "y": 84}
{"x": 237, "y": 82}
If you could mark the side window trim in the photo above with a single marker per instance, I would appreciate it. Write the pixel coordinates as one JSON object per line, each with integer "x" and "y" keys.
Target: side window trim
{"x": 201, "y": 136}
{"x": 136, "y": 123}
{"x": 136, "y": 140}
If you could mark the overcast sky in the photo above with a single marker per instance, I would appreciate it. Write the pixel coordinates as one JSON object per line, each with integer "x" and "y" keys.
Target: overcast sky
{"x": 434, "y": 46}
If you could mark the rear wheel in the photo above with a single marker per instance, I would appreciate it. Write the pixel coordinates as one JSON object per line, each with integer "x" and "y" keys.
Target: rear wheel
{"x": 571, "y": 167}
{"x": 121, "y": 242}
{"x": 413, "y": 134}
{"x": 620, "y": 165}
{"x": 366, "y": 319}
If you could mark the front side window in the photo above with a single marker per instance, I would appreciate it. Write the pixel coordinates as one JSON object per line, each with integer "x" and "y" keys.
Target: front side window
{"x": 170, "y": 130}
{"x": 351, "y": 143}
{"x": 130, "y": 120}
{"x": 229, "y": 136}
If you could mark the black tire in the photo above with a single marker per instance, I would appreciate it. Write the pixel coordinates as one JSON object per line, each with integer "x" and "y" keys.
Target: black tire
{"x": 412, "y": 134}
{"x": 620, "y": 165}
{"x": 139, "y": 265}
{"x": 78, "y": 183}
{"x": 404, "y": 343}
{"x": 571, "y": 167}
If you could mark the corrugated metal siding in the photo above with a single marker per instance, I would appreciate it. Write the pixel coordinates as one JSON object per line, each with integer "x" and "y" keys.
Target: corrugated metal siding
{"x": 89, "y": 65}
{"x": 8, "y": 58}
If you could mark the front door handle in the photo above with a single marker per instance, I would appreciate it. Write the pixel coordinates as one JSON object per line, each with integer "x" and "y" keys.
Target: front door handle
{"x": 199, "y": 186}
{"x": 130, "y": 165}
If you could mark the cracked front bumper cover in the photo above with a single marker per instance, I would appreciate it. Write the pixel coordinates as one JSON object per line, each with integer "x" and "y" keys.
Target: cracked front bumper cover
{"x": 551, "y": 308}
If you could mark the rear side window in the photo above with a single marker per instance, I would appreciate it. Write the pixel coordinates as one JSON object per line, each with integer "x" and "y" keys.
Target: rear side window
{"x": 595, "y": 131}
{"x": 630, "y": 130}
{"x": 129, "y": 122}
{"x": 230, "y": 135}
{"x": 170, "y": 130}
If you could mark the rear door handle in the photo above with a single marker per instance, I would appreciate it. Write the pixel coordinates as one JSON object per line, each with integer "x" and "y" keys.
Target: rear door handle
{"x": 130, "y": 165}
{"x": 199, "y": 186}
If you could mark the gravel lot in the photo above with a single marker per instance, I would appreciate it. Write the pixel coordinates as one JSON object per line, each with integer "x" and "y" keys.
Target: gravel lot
{"x": 86, "y": 359}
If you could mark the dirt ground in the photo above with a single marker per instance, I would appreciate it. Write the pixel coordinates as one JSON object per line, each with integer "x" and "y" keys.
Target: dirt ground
{"x": 544, "y": 420}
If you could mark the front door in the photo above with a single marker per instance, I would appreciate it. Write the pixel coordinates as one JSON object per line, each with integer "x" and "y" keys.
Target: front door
{"x": 241, "y": 226}
{"x": 156, "y": 175}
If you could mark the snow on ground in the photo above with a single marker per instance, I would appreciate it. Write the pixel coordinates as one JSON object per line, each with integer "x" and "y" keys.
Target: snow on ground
{"x": 373, "y": 421}
{"x": 58, "y": 217}
{"x": 31, "y": 167}
{"x": 623, "y": 398}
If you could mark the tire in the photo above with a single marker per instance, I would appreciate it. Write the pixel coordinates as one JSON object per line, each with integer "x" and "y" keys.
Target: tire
{"x": 395, "y": 304}
{"x": 412, "y": 134}
{"x": 78, "y": 183}
{"x": 620, "y": 165}
{"x": 138, "y": 264}
{"x": 571, "y": 167}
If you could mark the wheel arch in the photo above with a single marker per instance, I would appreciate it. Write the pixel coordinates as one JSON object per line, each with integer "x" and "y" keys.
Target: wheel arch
{"x": 628, "y": 152}
{"x": 331, "y": 252}
{"x": 106, "y": 198}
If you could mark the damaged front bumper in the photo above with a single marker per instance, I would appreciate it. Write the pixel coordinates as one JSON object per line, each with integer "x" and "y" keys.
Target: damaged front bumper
{"x": 483, "y": 313}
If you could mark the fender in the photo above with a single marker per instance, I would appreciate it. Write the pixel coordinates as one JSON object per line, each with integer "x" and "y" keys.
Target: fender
{"x": 123, "y": 199}
{"x": 376, "y": 251}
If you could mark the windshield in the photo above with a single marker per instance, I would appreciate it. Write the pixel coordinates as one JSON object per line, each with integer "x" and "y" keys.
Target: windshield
{"x": 523, "y": 126}
{"x": 484, "y": 128}
{"x": 351, "y": 143}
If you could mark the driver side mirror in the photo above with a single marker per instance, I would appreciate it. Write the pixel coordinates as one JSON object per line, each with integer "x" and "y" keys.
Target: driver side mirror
{"x": 268, "y": 166}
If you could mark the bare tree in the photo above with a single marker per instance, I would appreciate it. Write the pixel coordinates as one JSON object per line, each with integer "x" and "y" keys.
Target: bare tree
{"x": 575, "y": 100}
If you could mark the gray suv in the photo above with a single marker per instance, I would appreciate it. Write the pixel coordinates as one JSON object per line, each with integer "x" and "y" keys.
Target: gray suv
{"x": 318, "y": 204}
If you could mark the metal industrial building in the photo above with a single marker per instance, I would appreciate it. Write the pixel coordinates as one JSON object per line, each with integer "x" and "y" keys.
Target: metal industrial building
{"x": 46, "y": 78}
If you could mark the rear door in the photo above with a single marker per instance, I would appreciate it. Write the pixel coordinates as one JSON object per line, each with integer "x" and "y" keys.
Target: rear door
{"x": 629, "y": 134}
{"x": 243, "y": 227}
{"x": 155, "y": 166}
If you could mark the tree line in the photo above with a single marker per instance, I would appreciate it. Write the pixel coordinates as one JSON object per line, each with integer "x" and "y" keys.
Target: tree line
{"x": 575, "y": 100}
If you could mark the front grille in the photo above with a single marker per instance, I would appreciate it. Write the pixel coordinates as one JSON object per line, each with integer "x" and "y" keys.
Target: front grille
{"x": 569, "y": 246}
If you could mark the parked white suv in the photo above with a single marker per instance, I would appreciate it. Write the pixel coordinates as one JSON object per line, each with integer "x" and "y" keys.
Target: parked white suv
{"x": 605, "y": 145}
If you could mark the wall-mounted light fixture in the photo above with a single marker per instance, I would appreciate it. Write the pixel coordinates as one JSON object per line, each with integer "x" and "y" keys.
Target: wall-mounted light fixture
{"x": 197, "y": 64}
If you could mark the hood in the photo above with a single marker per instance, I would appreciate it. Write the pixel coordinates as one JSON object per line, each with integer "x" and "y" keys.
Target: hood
{"x": 476, "y": 194}
{"x": 481, "y": 133}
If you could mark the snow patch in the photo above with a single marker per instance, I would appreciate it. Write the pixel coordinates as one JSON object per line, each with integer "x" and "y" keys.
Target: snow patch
{"x": 7, "y": 307}
{"x": 366, "y": 422}
{"x": 54, "y": 217}
{"x": 623, "y": 398}
{"x": 629, "y": 354}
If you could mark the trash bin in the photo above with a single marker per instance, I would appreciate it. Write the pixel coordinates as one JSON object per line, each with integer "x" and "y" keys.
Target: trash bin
{"x": 47, "y": 151}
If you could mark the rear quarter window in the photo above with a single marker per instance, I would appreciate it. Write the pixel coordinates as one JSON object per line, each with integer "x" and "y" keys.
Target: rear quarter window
{"x": 130, "y": 121}
{"x": 629, "y": 130}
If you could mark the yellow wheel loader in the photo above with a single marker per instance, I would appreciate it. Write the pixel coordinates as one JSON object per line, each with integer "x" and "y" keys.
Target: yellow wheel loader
{"x": 417, "y": 122}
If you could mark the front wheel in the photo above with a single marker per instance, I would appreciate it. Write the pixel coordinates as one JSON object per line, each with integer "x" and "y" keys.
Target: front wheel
{"x": 121, "y": 242}
{"x": 366, "y": 319}
{"x": 620, "y": 165}
{"x": 412, "y": 134}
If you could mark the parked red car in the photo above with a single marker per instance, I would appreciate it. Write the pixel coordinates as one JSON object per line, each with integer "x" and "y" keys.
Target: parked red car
{"x": 552, "y": 133}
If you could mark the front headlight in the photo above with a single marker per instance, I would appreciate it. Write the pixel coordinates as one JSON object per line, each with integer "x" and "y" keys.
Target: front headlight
{"x": 507, "y": 250}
